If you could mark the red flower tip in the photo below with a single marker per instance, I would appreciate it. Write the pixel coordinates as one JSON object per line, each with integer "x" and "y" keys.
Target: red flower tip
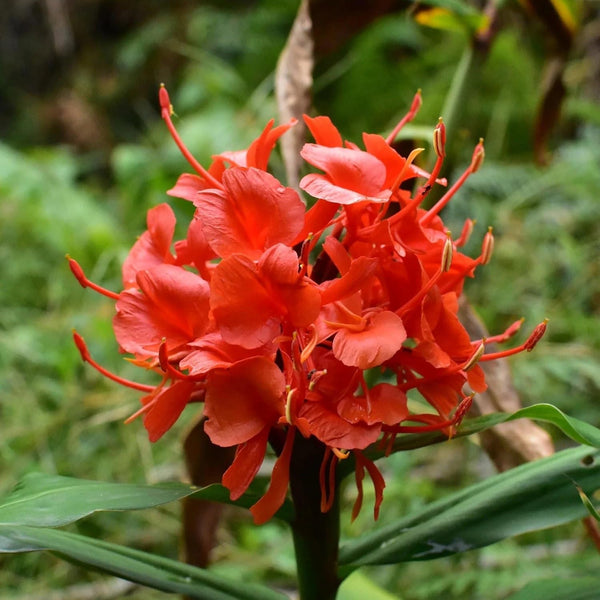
{"x": 80, "y": 343}
{"x": 163, "y": 99}
{"x": 466, "y": 232}
{"x": 536, "y": 336}
{"x": 439, "y": 139}
{"x": 478, "y": 156}
{"x": 416, "y": 103}
{"x": 85, "y": 282}
{"x": 487, "y": 247}
{"x": 77, "y": 271}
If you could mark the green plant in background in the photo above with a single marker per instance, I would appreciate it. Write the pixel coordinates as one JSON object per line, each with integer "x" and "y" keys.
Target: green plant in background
{"x": 523, "y": 222}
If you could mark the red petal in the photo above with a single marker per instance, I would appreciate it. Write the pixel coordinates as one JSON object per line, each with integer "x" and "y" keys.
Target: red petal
{"x": 167, "y": 405}
{"x": 323, "y": 130}
{"x": 386, "y": 404}
{"x": 253, "y": 213}
{"x": 248, "y": 458}
{"x": 154, "y": 245}
{"x": 242, "y": 400}
{"x": 243, "y": 308}
{"x": 172, "y": 305}
{"x": 379, "y": 341}
{"x": 347, "y": 169}
{"x": 334, "y": 431}
{"x": 270, "y": 503}
{"x": 360, "y": 270}
{"x": 188, "y": 186}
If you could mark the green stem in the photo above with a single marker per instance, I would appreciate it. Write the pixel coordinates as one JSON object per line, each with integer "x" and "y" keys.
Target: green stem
{"x": 316, "y": 534}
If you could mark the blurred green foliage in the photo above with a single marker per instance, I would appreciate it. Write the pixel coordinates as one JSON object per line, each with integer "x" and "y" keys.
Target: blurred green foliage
{"x": 90, "y": 201}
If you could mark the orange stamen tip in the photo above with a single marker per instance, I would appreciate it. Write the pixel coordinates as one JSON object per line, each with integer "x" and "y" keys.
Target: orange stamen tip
{"x": 417, "y": 101}
{"x": 478, "y": 156}
{"x": 163, "y": 99}
{"x": 77, "y": 271}
{"x": 341, "y": 454}
{"x": 536, "y": 336}
{"x": 81, "y": 346}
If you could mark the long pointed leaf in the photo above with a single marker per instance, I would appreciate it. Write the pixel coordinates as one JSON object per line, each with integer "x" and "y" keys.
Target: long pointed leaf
{"x": 141, "y": 567}
{"x": 533, "y": 496}
{"x": 582, "y": 588}
{"x": 51, "y": 500}
{"x": 579, "y": 431}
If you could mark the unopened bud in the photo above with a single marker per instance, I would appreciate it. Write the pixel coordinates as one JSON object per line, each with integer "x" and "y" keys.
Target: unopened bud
{"x": 447, "y": 254}
{"x": 439, "y": 139}
{"x": 487, "y": 247}
{"x": 478, "y": 156}
{"x": 536, "y": 336}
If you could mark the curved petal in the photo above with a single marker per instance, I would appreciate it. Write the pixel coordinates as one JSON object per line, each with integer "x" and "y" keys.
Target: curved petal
{"x": 242, "y": 400}
{"x": 255, "y": 211}
{"x": 248, "y": 458}
{"x": 377, "y": 342}
{"x": 154, "y": 245}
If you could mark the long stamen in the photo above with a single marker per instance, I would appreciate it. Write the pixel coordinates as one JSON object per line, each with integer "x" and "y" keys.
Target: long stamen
{"x": 166, "y": 112}
{"x": 409, "y": 116}
{"x": 504, "y": 336}
{"x": 476, "y": 161}
{"x": 86, "y": 357}
{"x": 85, "y": 282}
{"x": 527, "y": 346}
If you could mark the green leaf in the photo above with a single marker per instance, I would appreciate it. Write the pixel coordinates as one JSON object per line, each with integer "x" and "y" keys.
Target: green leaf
{"x": 533, "y": 496}
{"x": 52, "y": 500}
{"x": 577, "y": 430}
{"x": 134, "y": 565}
{"x": 582, "y": 588}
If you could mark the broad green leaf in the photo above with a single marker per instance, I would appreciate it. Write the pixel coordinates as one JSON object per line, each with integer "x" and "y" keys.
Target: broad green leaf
{"x": 582, "y": 588}
{"x": 134, "y": 565}
{"x": 51, "y": 500}
{"x": 533, "y": 496}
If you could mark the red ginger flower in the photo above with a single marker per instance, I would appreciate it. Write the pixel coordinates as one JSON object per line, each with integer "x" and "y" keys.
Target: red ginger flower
{"x": 274, "y": 333}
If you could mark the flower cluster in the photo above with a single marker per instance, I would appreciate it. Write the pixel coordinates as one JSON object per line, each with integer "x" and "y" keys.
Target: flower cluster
{"x": 296, "y": 322}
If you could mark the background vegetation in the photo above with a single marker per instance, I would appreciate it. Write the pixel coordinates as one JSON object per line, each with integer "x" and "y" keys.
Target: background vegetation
{"x": 84, "y": 155}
